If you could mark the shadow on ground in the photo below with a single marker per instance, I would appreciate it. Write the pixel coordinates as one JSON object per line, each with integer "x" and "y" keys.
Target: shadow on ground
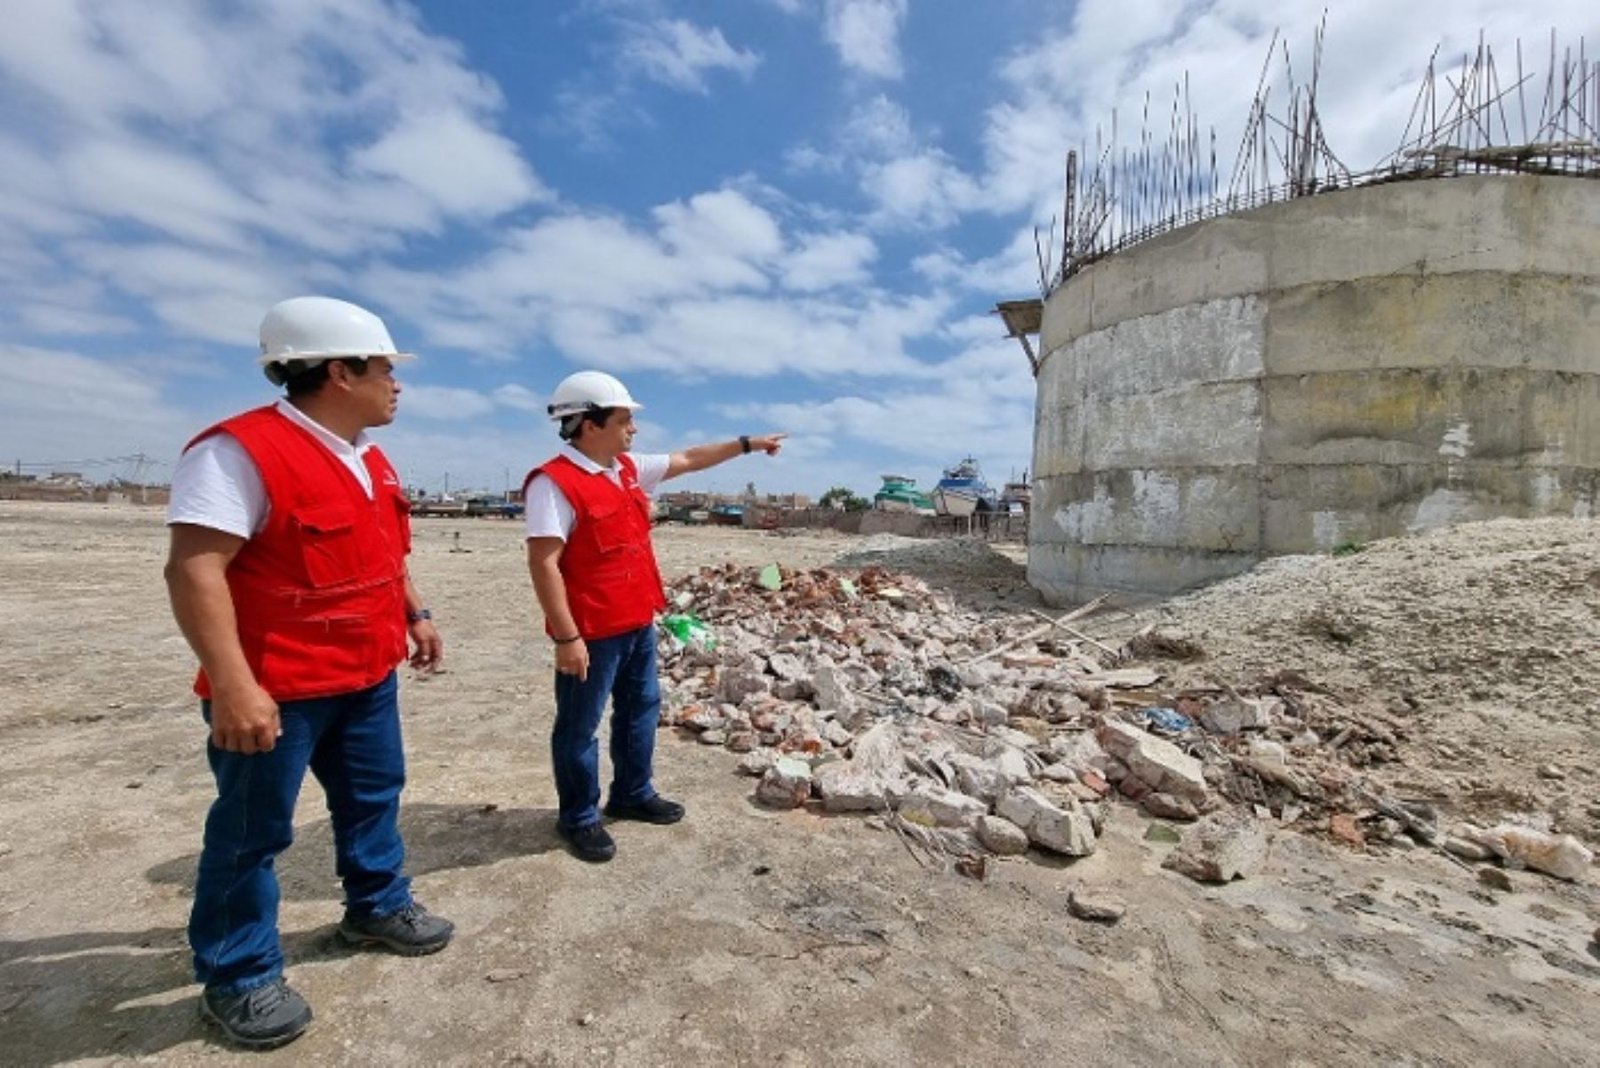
{"x": 117, "y": 994}
{"x": 130, "y": 993}
{"x": 437, "y": 837}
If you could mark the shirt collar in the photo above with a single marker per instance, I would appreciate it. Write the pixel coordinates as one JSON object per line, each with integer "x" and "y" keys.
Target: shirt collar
{"x": 571, "y": 452}
{"x": 333, "y": 441}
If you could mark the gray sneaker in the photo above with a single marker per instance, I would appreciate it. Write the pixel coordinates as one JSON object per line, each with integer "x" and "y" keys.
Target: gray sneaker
{"x": 262, "y": 1018}
{"x": 411, "y": 932}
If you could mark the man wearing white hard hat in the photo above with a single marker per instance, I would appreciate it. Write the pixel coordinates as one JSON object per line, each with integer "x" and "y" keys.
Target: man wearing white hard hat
{"x": 594, "y": 573}
{"x": 289, "y": 533}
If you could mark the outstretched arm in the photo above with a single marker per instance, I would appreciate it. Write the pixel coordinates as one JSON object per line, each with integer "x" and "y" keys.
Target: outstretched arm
{"x": 700, "y": 457}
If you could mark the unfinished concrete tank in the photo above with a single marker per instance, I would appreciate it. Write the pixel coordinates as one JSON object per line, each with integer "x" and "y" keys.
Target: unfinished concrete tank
{"x": 1318, "y": 372}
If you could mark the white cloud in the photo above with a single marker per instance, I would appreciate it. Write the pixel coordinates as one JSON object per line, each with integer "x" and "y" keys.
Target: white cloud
{"x": 978, "y": 401}
{"x": 829, "y": 261}
{"x": 878, "y": 129}
{"x": 512, "y": 395}
{"x": 866, "y": 34}
{"x": 58, "y": 404}
{"x": 443, "y": 402}
{"x": 925, "y": 190}
{"x": 62, "y": 320}
{"x": 169, "y": 191}
{"x": 468, "y": 170}
{"x": 691, "y": 297}
{"x": 916, "y": 433}
{"x": 679, "y": 54}
{"x": 723, "y": 235}
{"x": 168, "y": 122}
{"x": 196, "y": 292}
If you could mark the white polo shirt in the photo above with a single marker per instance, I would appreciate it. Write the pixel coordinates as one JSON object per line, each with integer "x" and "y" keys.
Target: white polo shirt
{"x": 548, "y": 514}
{"x": 217, "y": 485}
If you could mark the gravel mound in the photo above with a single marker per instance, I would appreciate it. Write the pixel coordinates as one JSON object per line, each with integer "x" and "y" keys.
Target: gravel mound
{"x": 1484, "y": 638}
{"x": 941, "y": 558}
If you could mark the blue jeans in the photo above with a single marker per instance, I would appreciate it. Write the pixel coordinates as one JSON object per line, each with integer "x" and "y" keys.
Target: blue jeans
{"x": 622, "y": 668}
{"x": 351, "y": 743}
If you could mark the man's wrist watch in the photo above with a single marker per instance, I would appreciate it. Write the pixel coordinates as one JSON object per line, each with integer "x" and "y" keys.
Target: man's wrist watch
{"x": 744, "y": 442}
{"x": 418, "y": 616}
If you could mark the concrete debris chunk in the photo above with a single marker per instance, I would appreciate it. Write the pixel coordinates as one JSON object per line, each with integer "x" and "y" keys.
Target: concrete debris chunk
{"x": 832, "y": 688}
{"x": 786, "y": 666}
{"x": 1079, "y": 750}
{"x": 871, "y": 780}
{"x": 1157, "y": 762}
{"x": 1224, "y": 846}
{"x": 1560, "y": 855}
{"x": 1234, "y": 714}
{"x": 734, "y": 686}
{"x": 978, "y": 779}
{"x": 756, "y": 762}
{"x": 1066, "y": 830}
{"x": 786, "y": 784}
{"x": 1095, "y": 907}
{"x": 1011, "y": 763}
{"x": 1167, "y": 807}
{"x": 937, "y": 806}
{"x": 1000, "y": 836}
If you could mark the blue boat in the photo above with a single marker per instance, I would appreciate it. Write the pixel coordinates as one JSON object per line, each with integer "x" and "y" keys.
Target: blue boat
{"x": 962, "y": 491}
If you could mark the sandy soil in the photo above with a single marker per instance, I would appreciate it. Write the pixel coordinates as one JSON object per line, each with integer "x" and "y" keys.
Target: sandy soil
{"x": 739, "y": 936}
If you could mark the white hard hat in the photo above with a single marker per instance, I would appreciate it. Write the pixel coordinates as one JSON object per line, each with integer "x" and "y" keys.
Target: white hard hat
{"x": 314, "y": 329}
{"x": 589, "y": 391}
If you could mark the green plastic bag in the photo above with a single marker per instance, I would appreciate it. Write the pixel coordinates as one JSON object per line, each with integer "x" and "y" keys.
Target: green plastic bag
{"x": 689, "y": 630}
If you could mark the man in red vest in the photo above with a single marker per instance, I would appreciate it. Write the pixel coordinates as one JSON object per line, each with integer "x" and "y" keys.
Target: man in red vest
{"x": 289, "y": 533}
{"x": 595, "y": 574}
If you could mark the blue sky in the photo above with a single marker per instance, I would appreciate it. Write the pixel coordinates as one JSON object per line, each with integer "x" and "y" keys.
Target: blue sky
{"x": 762, "y": 214}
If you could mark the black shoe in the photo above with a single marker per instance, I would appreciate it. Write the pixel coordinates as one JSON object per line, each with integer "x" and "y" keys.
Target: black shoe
{"x": 263, "y": 1018}
{"x": 655, "y": 809}
{"x": 411, "y": 932}
{"x": 590, "y": 843}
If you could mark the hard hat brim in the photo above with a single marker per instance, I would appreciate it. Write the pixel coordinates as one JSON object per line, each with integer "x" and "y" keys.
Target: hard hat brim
{"x": 632, "y": 406}
{"x": 317, "y": 357}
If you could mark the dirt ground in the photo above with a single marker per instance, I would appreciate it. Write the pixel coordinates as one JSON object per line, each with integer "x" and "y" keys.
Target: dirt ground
{"x": 742, "y": 936}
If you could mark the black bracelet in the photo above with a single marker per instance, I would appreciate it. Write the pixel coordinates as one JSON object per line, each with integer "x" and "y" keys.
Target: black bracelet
{"x": 565, "y": 641}
{"x": 744, "y": 442}
{"x": 418, "y": 616}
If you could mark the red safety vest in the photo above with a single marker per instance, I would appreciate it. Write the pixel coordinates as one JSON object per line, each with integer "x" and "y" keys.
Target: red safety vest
{"x": 608, "y": 565}
{"x": 319, "y": 591}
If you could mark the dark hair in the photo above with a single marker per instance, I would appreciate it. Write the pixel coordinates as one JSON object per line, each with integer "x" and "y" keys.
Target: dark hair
{"x": 573, "y": 423}
{"x": 301, "y": 379}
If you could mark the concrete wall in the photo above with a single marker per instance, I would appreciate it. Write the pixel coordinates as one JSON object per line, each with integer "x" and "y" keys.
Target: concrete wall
{"x": 1328, "y": 370}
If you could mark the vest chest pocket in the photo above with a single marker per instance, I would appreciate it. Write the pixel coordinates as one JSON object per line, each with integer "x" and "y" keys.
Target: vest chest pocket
{"x": 609, "y": 526}
{"x": 328, "y": 545}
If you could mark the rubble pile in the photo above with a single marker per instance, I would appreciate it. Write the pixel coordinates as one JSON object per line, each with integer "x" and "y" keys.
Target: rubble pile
{"x": 974, "y": 733}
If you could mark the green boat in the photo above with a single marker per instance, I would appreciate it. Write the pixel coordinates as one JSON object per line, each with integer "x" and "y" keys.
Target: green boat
{"x": 899, "y": 493}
